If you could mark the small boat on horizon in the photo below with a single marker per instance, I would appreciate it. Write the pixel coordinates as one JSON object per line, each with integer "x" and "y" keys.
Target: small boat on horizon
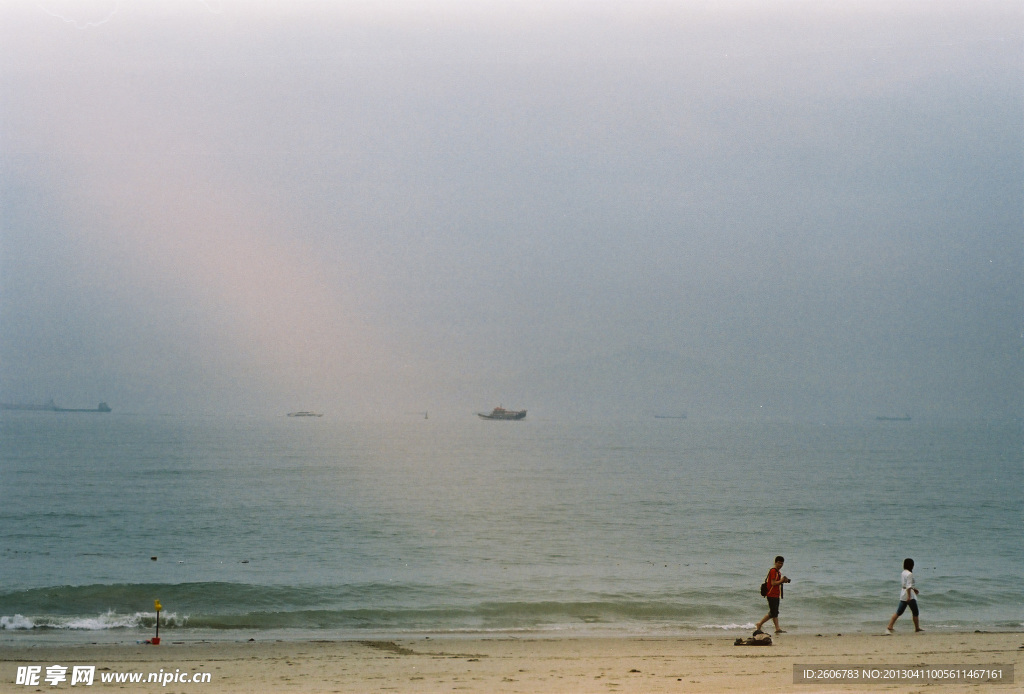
{"x": 51, "y": 406}
{"x": 305, "y": 413}
{"x": 500, "y": 412}
{"x": 904, "y": 418}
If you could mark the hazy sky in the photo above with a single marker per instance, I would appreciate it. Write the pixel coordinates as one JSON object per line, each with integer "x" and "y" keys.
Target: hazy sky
{"x": 765, "y": 208}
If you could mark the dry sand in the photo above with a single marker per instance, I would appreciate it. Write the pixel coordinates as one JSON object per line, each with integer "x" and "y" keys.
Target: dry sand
{"x": 592, "y": 664}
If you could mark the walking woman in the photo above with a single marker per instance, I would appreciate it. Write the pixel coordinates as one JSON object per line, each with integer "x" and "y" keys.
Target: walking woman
{"x": 908, "y": 597}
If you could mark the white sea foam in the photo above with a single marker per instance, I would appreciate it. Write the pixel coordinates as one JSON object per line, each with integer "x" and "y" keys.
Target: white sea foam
{"x": 107, "y": 620}
{"x": 728, "y": 627}
{"x": 16, "y": 622}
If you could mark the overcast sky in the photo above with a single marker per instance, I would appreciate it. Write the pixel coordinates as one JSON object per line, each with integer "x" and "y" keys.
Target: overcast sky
{"x": 589, "y": 209}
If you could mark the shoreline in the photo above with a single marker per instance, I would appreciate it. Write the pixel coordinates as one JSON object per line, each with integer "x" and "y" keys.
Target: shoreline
{"x": 528, "y": 663}
{"x": 46, "y": 637}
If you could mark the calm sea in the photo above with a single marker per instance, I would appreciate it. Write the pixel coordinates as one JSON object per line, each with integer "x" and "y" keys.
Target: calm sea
{"x": 246, "y": 527}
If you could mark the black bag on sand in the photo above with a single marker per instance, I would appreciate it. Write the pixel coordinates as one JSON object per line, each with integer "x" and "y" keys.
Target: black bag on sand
{"x": 758, "y": 639}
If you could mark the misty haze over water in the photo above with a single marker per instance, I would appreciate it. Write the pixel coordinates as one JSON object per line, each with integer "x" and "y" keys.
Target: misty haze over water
{"x": 735, "y": 210}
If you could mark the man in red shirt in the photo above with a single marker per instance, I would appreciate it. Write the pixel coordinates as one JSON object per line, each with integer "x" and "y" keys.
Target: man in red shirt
{"x": 775, "y": 580}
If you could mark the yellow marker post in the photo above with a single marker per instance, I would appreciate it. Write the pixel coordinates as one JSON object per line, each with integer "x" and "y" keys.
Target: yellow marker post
{"x": 156, "y": 639}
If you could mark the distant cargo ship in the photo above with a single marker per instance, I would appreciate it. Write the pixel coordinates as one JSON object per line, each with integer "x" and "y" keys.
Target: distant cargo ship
{"x": 305, "y": 413}
{"x": 52, "y": 407}
{"x": 500, "y": 412}
{"x": 904, "y": 418}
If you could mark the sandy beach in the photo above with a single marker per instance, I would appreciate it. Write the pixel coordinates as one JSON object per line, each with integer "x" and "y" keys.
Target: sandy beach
{"x": 593, "y": 664}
